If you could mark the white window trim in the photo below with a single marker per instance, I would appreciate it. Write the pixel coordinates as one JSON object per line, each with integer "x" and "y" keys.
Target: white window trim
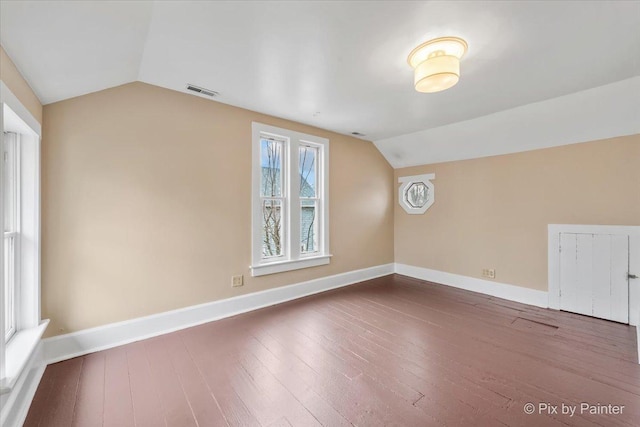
{"x": 15, "y": 353}
{"x": 406, "y": 182}
{"x": 292, "y": 259}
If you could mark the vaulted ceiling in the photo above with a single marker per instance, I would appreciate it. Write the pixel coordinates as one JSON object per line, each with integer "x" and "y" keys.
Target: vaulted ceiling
{"x": 336, "y": 65}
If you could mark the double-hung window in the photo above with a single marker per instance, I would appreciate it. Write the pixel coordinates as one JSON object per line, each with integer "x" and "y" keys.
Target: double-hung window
{"x": 20, "y": 320}
{"x": 290, "y": 207}
{"x": 11, "y": 232}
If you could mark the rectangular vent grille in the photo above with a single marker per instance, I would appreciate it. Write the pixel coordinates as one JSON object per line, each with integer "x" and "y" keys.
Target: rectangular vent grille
{"x": 202, "y": 91}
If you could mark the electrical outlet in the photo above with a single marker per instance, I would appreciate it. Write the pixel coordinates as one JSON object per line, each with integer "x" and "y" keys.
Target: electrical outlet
{"x": 489, "y": 273}
{"x": 236, "y": 281}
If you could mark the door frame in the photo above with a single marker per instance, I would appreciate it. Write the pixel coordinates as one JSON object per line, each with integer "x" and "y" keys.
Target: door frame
{"x": 633, "y": 232}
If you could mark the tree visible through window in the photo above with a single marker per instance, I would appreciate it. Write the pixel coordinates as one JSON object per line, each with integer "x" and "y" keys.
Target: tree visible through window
{"x": 272, "y": 197}
{"x": 417, "y": 194}
{"x": 308, "y": 199}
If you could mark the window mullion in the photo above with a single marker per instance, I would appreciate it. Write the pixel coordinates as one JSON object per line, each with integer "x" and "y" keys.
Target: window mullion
{"x": 294, "y": 199}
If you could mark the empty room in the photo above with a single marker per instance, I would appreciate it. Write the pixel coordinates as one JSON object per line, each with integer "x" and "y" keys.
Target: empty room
{"x": 320, "y": 213}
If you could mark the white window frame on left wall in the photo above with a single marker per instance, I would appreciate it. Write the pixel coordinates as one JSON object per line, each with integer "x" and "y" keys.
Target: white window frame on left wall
{"x": 16, "y": 352}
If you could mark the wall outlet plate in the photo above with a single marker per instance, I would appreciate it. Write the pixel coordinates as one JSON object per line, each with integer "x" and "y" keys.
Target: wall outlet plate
{"x": 489, "y": 273}
{"x": 236, "y": 281}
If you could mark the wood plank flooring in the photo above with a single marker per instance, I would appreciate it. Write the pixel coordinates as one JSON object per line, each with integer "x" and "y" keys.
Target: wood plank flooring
{"x": 390, "y": 351}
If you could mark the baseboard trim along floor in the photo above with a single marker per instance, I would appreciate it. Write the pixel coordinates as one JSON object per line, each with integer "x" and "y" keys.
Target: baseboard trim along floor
{"x": 75, "y": 344}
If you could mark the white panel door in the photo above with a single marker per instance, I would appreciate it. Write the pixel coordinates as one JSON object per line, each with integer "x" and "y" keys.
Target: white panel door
{"x": 594, "y": 271}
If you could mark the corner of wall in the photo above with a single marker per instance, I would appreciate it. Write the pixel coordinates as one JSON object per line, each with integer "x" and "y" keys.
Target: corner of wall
{"x": 15, "y": 81}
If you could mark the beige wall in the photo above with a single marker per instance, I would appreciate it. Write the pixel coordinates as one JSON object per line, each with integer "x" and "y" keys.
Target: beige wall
{"x": 10, "y": 75}
{"x": 493, "y": 212}
{"x": 146, "y": 205}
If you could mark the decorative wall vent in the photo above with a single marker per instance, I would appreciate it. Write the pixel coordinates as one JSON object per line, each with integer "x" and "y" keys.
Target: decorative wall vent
{"x": 416, "y": 193}
{"x": 202, "y": 91}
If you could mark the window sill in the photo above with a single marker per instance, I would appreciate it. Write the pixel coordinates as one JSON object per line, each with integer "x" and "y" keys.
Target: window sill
{"x": 282, "y": 266}
{"x": 18, "y": 351}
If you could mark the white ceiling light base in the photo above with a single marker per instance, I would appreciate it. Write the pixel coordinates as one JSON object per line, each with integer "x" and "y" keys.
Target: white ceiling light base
{"x": 436, "y": 63}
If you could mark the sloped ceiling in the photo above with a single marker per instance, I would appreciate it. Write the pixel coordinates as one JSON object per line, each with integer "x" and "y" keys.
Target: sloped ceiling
{"x": 336, "y": 65}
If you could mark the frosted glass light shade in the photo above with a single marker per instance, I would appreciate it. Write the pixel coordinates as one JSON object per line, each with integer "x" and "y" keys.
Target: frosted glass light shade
{"x": 436, "y": 64}
{"x": 436, "y": 74}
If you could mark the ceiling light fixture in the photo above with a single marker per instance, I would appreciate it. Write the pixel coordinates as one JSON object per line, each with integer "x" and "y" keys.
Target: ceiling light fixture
{"x": 436, "y": 63}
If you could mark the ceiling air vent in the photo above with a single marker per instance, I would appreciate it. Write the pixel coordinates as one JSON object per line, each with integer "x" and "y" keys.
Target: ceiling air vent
{"x": 202, "y": 91}
{"x": 358, "y": 134}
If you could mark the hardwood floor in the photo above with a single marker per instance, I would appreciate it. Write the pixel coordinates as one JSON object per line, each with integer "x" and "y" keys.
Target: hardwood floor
{"x": 390, "y": 351}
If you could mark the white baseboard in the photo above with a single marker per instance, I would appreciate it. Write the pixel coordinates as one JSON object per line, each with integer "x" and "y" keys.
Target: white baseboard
{"x": 488, "y": 287}
{"x": 75, "y": 344}
{"x": 15, "y": 404}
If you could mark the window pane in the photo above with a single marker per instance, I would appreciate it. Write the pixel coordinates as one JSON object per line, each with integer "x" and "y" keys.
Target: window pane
{"x": 308, "y": 226}
{"x": 9, "y": 158}
{"x": 272, "y": 227}
{"x": 307, "y": 165}
{"x": 271, "y": 164}
{"x": 417, "y": 195}
{"x": 9, "y": 287}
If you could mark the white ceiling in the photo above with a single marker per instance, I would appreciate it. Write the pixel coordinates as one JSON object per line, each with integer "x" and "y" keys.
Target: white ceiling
{"x": 345, "y": 60}
{"x": 599, "y": 113}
